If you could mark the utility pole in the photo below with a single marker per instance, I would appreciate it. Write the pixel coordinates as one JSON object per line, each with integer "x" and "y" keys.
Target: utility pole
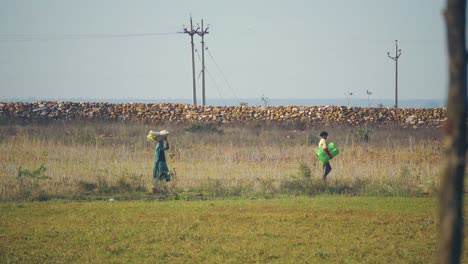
{"x": 191, "y": 33}
{"x": 348, "y": 96}
{"x": 202, "y": 33}
{"x": 369, "y": 93}
{"x": 397, "y": 55}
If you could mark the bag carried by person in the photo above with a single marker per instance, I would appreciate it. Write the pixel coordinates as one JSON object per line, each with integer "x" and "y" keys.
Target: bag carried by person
{"x": 333, "y": 149}
{"x": 322, "y": 156}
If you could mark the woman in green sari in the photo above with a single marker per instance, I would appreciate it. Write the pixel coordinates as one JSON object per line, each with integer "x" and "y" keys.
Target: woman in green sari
{"x": 160, "y": 169}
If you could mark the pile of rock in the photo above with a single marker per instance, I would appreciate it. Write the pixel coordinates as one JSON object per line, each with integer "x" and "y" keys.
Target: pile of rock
{"x": 183, "y": 113}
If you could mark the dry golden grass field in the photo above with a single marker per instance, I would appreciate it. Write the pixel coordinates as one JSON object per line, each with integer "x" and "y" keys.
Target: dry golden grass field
{"x": 44, "y": 161}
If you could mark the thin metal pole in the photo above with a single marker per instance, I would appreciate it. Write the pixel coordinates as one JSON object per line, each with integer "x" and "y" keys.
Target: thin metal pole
{"x": 193, "y": 64}
{"x": 396, "y": 75}
{"x": 203, "y": 64}
{"x": 397, "y": 55}
{"x": 202, "y": 34}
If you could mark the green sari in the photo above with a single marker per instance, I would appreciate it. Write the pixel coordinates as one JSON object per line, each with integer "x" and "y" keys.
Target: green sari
{"x": 160, "y": 169}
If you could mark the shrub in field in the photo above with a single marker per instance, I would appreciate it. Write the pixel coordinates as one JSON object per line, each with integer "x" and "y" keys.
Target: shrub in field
{"x": 304, "y": 171}
{"x": 138, "y": 182}
{"x": 102, "y": 184}
{"x": 268, "y": 187}
{"x": 303, "y": 183}
{"x": 302, "y": 186}
{"x": 313, "y": 186}
{"x": 162, "y": 190}
{"x": 300, "y": 183}
{"x": 204, "y": 128}
{"x": 87, "y": 187}
{"x": 125, "y": 184}
{"x": 215, "y": 187}
{"x": 231, "y": 187}
{"x": 29, "y": 182}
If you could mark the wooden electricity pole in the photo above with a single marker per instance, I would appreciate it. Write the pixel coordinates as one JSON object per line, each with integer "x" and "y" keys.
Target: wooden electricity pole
{"x": 202, "y": 33}
{"x": 452, "y": 182}
{"x": 397, "y": 55}
{"x": 191, "y": 33}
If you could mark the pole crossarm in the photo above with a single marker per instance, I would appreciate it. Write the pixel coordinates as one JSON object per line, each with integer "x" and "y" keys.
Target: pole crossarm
{"x": 397, "y": 52}
{"x": 202, "y": 32}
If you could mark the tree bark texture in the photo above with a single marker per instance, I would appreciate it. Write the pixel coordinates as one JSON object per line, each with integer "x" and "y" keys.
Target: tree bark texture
{"x": 451, "y": 190}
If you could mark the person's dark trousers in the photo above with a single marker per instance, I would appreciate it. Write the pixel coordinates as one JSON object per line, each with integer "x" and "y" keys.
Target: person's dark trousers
{"x": 326, "y": 170}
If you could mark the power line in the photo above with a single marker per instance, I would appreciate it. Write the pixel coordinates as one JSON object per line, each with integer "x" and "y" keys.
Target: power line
{"x": 222, "y": 73}
{"x": 216, "y": 85}
{"x": 211, "y": 77}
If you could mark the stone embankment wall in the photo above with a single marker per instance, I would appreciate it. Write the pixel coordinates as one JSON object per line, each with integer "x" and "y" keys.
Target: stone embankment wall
{"x": 183, "y": 113}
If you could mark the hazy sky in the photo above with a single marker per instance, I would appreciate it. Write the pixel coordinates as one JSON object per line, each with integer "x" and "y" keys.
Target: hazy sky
{"x": 280, "y": 49}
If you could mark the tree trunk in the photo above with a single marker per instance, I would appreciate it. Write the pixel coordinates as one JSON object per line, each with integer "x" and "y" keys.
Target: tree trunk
{"x": 451, "y": 190}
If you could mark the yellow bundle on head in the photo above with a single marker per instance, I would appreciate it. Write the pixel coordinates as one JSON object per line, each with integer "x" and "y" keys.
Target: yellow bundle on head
{"x": 159, "y": 133}
{"x": 151, "y": 137}
{"x": 154, "y": 134}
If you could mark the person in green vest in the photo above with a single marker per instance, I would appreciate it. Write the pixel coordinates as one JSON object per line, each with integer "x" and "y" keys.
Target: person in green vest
{"x": 160, "y": 169}
{"x": 323, "y": 144}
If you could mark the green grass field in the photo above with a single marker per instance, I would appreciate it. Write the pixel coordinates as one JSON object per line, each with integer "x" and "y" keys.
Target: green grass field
{"x": 321, "y": 229}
